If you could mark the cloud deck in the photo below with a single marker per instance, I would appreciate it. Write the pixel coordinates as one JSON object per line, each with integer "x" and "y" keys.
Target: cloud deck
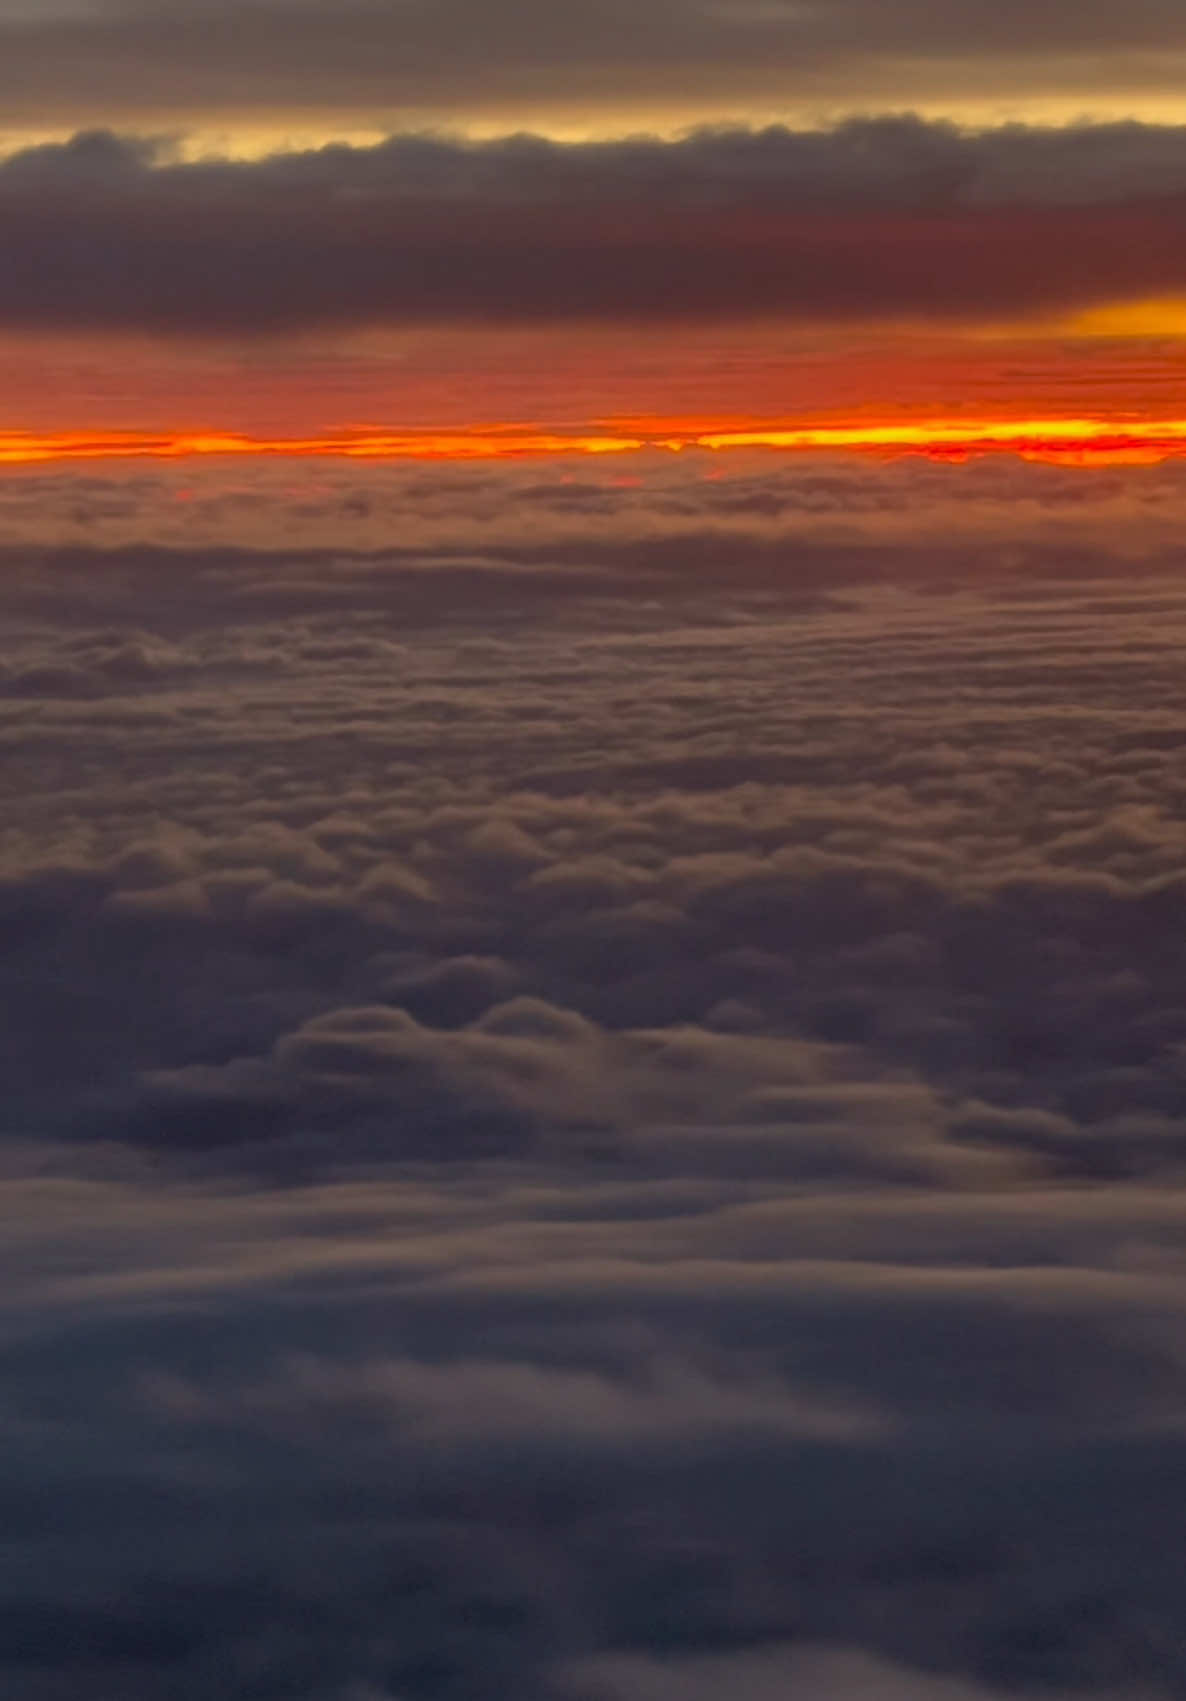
{"x": 605, "y": 1138}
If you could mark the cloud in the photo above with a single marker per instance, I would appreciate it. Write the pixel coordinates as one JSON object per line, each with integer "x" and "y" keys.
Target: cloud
{"x": 430, "y": 1437}
{"x": 594, "y": 1103}
{"x": 884, "y": 219}
{"x": 407, "y": 542}
{"x": 828, "y": 1674}
{"x": 153, "y": 58}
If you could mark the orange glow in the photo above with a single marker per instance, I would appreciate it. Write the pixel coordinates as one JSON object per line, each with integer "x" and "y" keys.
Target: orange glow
{"x": 1044, "y": 439}
{"x": 1162, "y": 317}
{"x": 479, "y": 444}
{"x": 1077, "y": 442}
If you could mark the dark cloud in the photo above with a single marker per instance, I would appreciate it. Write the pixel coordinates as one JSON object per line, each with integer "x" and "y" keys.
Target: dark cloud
{"x": 889, "y": 218}
{"x": 600, "y": 1116}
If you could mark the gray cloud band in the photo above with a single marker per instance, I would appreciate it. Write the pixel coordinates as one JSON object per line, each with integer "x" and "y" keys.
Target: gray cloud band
{"x": 879, "y": 219}
{"x": 209, "y": 58}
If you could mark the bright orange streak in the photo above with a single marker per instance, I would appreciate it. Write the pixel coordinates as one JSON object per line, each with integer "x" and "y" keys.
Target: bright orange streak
{"x": 1069, "y": 441}
{"x": 1076, "y": 440}
{"x": 23, "y": 447}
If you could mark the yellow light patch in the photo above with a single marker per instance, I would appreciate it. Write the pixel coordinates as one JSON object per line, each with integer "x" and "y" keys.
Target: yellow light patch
{"x": 1163, "y": 317}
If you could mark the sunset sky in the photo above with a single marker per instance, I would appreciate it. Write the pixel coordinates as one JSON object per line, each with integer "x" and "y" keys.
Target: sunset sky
{"x": 290, "y": 220}
{"x": 592, "y": 850}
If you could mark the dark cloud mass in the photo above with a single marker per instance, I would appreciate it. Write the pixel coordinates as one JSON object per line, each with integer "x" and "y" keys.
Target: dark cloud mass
{"x": 877, "y": 219}
{"x": 595, "y": 1086}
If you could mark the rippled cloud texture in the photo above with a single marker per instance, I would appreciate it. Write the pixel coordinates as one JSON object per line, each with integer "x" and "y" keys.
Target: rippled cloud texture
{"x": 595, "y": 1084}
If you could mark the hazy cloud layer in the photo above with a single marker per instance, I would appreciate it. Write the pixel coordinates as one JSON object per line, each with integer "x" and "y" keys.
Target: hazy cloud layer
{"x": 259, "y": 533}
{"x": 213, "y": 59}
{"x": 602, "y": 1117}
{"x": 880, "y": 219}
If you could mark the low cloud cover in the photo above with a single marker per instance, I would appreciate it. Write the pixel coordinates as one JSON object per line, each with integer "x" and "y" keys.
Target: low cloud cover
{"x": 595, "y": 1094}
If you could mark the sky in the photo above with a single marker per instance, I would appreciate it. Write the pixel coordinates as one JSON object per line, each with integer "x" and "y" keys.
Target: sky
{"x": 656, "y": 219}
{"x": 592, "y": 843}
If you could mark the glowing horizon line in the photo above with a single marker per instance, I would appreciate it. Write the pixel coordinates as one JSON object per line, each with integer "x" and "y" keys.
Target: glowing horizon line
{"x": 1068, "y": 440}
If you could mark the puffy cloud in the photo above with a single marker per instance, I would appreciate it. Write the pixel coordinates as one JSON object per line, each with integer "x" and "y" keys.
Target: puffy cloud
{"x": 613, "y": 1137}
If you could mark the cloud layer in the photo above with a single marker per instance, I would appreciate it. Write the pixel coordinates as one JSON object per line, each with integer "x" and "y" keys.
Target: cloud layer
{"x": 876, "y": 220}
{"x": 598, "y": 1117}
{"x": 212, "y": 59}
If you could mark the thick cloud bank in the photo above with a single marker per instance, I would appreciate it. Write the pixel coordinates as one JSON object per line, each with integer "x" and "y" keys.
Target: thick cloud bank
{"x": 875, "y": 219}
{"x": 599, "y": 1117}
